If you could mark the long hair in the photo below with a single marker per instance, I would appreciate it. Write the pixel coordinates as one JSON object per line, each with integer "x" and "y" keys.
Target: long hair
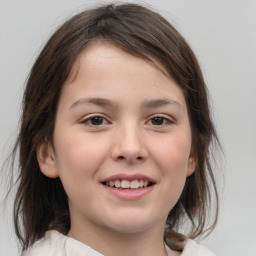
{"x": 41, "y": 202}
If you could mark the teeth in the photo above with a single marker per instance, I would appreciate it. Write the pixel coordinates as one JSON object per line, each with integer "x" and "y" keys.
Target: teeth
{"x": 126, "y": 184}
{"x": 141, "y": 183}
{"x": 145, "y": 183}
{"x": 117, "y": 183}
{"x": 134, "y": 184}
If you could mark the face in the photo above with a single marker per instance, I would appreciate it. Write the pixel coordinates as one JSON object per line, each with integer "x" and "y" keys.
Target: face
{"x": 122, "y": 142}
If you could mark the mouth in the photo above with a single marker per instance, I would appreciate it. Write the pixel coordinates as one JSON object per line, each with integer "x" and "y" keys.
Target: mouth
{"x": 128, "y": 184}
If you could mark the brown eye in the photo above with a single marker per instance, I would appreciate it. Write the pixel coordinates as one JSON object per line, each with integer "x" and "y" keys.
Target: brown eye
{"x": 97, "y": 120}
{"x": 157, "y": 120}
{"x": 160, "y": 121}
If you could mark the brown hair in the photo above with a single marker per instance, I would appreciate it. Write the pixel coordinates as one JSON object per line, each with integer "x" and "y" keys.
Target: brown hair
{"x": 41, "y": 202}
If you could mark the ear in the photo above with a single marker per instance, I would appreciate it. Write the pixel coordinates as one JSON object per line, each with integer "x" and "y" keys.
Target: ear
{"x": 46, "y": 159}
{"x": 192, "y": 162}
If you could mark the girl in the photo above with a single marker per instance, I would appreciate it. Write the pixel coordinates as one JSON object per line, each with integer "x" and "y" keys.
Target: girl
{"x": 114, "y": 140}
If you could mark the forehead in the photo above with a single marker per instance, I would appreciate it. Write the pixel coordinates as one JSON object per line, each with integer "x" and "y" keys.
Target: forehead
{"x": 108, "y": 71}
{"x": 101, "y": 49}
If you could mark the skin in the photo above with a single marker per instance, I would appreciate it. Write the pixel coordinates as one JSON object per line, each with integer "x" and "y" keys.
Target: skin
{"x": 128, "y": 94}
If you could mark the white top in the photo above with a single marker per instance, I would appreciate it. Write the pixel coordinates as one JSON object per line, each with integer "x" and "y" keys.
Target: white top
{"x": 57, "y": 244}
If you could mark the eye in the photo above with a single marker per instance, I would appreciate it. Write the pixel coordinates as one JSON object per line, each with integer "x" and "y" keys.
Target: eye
{"x": 95, "y": 121}
{"x": 160, "y": 121}
{"x": 157, "y": 120}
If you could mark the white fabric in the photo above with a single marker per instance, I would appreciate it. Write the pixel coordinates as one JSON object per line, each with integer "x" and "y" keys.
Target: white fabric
{"x": 193, "y": 249}
{"x": 56, "y": 244}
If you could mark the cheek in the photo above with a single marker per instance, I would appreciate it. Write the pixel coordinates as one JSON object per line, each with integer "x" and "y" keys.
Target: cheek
{"x": 79, "y": 157}
{"x": 173, "y": 155}
{"x": 172, "y": 160}
{"x": 78, "y": 163}
{"x": 174, "y": 169}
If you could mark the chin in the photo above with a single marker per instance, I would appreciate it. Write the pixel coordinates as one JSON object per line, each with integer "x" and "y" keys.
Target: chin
{"x": 128, "y": 224}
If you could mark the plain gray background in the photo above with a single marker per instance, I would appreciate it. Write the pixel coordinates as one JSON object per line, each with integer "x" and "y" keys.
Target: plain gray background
{"x": 223, "y": 35}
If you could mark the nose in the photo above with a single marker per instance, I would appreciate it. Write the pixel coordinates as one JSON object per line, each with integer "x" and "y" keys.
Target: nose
{"x": 129, "y": 145}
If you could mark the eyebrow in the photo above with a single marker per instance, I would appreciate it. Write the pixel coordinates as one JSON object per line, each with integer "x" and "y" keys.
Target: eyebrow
{"x": 148, "y": 104}
{"x": 160, "y": 103}
{"x": 96, "y": 101}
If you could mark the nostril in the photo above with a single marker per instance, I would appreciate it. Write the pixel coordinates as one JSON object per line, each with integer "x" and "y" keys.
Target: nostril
{"x": 137, "y": 158}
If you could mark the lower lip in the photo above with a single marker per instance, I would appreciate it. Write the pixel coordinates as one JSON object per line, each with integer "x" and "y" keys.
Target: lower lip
{"x": 129, "y": 194}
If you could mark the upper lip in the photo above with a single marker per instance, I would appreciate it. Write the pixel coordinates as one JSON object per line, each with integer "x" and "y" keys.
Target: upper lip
{"x": 129, "y": 177}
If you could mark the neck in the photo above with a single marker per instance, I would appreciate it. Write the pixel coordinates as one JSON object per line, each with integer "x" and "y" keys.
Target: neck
{"x": 111, "y": 243}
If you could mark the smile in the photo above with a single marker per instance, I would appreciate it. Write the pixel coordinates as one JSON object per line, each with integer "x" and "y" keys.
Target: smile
{"x": 129, "y": 187}
{"x": 126, "y": 184}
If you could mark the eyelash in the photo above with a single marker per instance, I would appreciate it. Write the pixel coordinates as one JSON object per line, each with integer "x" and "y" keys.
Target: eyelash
{"x": 166, "y": 121}
{"x": 90, "y": 119}
{"x": 103, "y": 121}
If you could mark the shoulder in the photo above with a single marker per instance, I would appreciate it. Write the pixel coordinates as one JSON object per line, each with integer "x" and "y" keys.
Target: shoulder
{"x": 193, "y": 249}
{"x": 51, "y": 244}
{"x": 57, "y": 244}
